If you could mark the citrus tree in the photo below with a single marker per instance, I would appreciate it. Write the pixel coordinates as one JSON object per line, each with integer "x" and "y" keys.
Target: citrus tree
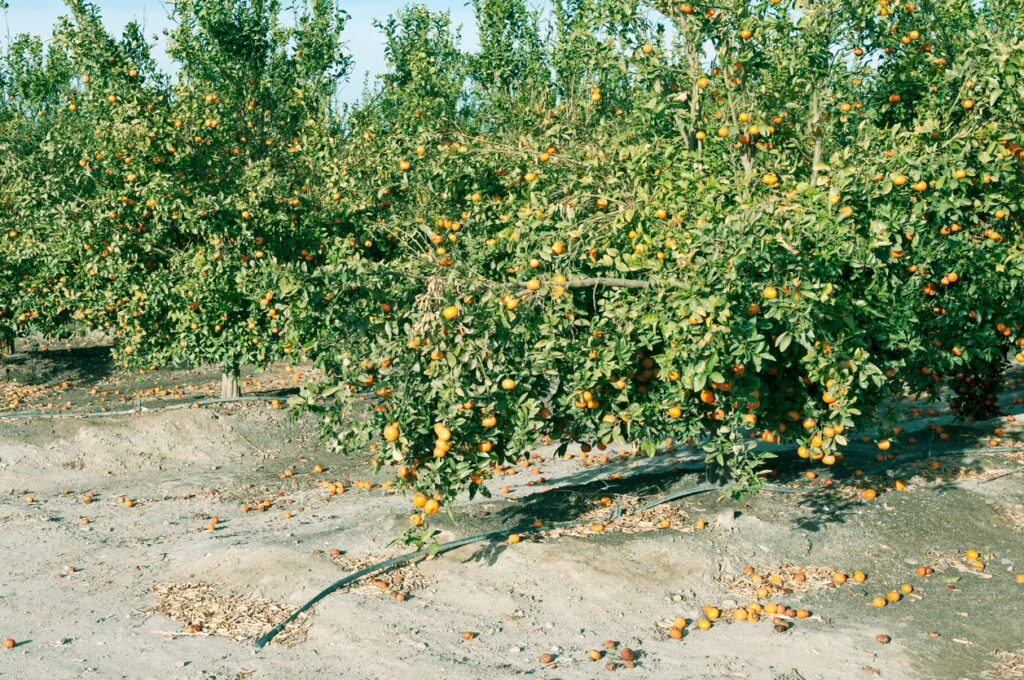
{"x": 620, "y": 221}
{"x": 761, "y": 220}
{"x": 248, "y": 132}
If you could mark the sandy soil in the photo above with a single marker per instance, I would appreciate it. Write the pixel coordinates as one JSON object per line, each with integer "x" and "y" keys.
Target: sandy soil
{"x": 561, "y": 595}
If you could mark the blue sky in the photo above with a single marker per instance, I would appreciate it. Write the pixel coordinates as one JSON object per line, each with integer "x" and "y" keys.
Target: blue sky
{"x": 363, "y": 41}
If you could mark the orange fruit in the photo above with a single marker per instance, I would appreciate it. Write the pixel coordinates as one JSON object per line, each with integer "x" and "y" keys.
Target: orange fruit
{"x": 839, "y": 577}
{"x": 391, "y": 432}
{"x": 879, "y": 602}
{"x": 906, "y": 588}
{"x": 893, "y": 596}
{"x": 450, "y": 312}
{"x": 703, "y": 624}
{"x": 972, "y": 554}
{"x": 431, "y": 507}
{"x": 675, "y": 633}
{"x": 859, "y": 577}
{"x": 9, "y": 643}
{"x": 770, "y": 293}
{"x": 514, "y": 538}
{"x": 711, "y": 612}
{"x": 680, "y": 622}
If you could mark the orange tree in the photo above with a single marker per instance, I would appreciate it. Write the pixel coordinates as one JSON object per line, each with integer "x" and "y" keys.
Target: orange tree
{"x": 33, "y": 82}
{"x": 711, "y": 224}
{"x": 176, "y": 216}
{"x": 247, "y": 134}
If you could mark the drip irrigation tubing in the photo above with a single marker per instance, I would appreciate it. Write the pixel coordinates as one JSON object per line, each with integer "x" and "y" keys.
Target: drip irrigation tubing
{"x": 140, "y": 409}
{"x": 458, "y": 543}
{"x": 504, "y": 533}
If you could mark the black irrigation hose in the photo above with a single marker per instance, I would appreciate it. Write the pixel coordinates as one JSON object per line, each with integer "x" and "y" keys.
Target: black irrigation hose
{"x": 903, "y": 460}
{"x": 501, "y": 533}
{"x": 138, "y": 410}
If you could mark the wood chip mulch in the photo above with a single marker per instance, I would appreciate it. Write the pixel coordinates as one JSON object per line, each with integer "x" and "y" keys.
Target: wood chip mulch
{"x": 203, "y": 609}
{"x": 395, "y": 583}
{"x": 640, "y": 522}
{"x": 784, "y": 579}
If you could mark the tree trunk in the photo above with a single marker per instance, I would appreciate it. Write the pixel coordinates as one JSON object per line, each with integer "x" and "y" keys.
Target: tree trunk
{"x": 6, "y": 343}
{"x": 229, "y": 383}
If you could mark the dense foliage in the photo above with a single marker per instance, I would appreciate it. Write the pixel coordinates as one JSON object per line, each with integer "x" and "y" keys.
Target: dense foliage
{"x": 613, "y": 222}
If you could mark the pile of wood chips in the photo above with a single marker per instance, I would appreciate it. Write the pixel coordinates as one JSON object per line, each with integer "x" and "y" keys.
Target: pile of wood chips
{"x": 396, "y": 583}
{"x": 784, "y": 579}
{"x": 203, "y": 609}
{"x": 651, "y": 519}
{"x": 1007, "y": 665}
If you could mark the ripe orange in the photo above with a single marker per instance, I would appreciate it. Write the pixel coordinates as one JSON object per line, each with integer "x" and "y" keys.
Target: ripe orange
{"x": 972, "y": 554}
{"x": 703, "y": 624}
{"x": 859, "y": 577}
{"x": 9, "y": 643}
{"x": 391, "y": 432}
{"x": 450, "y": 312}
{"x": 879, "y": 602}
{"x": 675, "y": 633}
{"x": 514, "y": 538}
{"x": 711, "y": 612}
{"x": 893, "y": 596}
{"x": 431, "y": 507}
{"x": 419, "y": 499}
{"x": 770, "y": 293}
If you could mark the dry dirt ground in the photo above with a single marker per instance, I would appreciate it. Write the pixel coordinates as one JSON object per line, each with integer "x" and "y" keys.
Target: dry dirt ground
{"x": 114, "y": 597}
